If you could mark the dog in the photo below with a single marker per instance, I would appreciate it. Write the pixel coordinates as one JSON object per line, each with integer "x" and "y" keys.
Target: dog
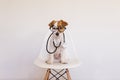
{"x": 56, "y": 42}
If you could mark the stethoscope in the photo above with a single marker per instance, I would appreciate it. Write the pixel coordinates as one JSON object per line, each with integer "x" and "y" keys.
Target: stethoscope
{"x": 56, "y": 46}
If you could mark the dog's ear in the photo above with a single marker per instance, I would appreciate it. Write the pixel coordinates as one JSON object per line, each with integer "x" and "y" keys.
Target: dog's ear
{"x": 64, "y": 23}
{"x": 51, "y": 24}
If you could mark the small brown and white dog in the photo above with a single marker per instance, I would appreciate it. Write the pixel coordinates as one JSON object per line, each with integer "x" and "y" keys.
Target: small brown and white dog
{"x": 56, "y": 42}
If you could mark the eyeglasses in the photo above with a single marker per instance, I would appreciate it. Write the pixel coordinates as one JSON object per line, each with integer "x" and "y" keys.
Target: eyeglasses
{"x": 54, "y": 27}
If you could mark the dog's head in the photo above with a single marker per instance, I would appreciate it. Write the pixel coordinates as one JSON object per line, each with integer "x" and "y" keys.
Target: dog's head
{"x": 58, "y": 26}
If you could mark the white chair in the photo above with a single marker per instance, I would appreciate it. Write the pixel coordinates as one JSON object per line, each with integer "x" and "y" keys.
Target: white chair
{"x": 63, "y": 68}
{"x": 52, "y": 69}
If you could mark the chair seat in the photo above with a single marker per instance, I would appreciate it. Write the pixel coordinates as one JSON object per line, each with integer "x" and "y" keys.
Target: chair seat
{"x": 71, "y": 64}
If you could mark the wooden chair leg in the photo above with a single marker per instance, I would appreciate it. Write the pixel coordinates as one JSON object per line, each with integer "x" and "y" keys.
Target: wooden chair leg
{"x": 68, "y": 74}
{"x": 47, "y": 75}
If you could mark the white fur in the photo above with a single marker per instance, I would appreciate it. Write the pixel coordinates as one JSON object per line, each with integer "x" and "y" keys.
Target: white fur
{"x": 61, "y": 50}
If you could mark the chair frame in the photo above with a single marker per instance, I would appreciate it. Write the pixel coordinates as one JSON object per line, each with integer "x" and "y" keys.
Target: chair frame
{"x": 57, "y": 74}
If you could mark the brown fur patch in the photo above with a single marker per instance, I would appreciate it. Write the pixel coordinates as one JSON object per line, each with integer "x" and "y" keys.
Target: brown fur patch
{"x": 51, "y": 24}
{"x": 61, "y": 25}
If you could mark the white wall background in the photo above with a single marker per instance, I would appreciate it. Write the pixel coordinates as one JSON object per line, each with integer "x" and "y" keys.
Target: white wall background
{"x": 95, "y": 26}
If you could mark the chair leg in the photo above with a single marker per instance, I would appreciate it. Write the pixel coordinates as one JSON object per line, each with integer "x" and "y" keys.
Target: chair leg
{"x": 68, "y": 74}
{"x": 47, "y": 75}
{"x": 49, "y": 72}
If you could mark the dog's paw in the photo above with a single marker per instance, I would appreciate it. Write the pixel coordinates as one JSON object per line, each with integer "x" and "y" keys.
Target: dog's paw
{"x": 49, "y": 62}
{"x": 63, "y": 62}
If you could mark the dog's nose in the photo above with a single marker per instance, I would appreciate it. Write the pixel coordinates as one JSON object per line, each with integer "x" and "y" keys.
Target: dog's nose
{"x": 57, "y": 34}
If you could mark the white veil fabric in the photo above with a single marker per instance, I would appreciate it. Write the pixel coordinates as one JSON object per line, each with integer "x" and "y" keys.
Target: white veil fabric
{"x": 73, "y": 60}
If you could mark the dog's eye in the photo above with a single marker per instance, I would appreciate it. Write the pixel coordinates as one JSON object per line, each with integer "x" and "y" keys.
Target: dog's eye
{"x": 60, "y": 28}
{"x": 54, "y": 28}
